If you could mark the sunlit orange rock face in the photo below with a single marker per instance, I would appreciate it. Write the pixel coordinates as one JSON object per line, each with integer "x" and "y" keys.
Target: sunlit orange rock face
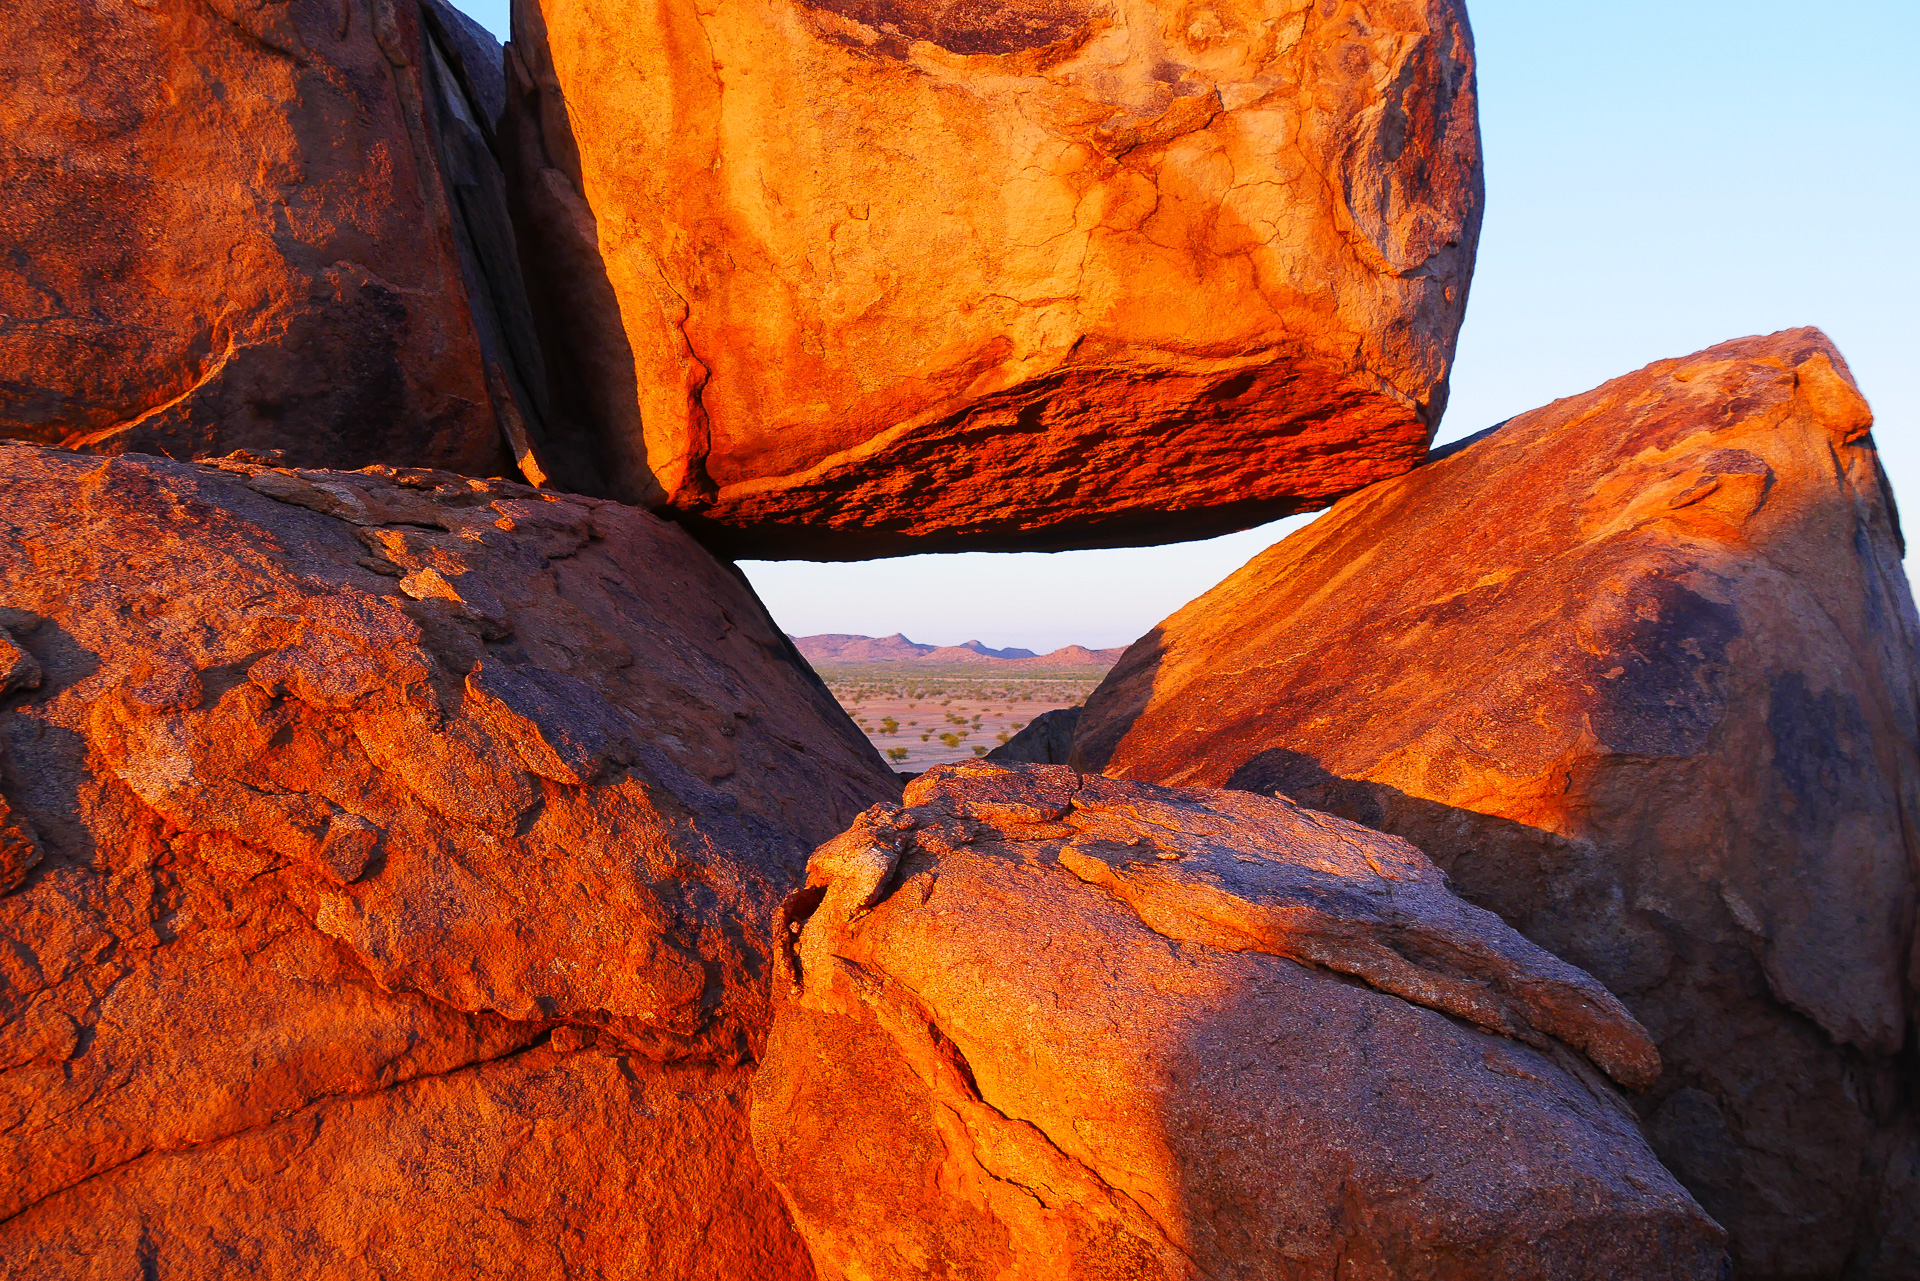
{"x": 390, "y": 860}
{"x": 910, "y": 277}
{"x": 1040, "y": 1025}
{"x": 1638, "y": 670}
{"x": 227, "y": 227}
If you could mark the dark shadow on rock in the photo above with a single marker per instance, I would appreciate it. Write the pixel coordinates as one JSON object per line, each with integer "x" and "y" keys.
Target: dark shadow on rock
{"x": 591, "y": 391}
{"x": 1390, "y": 1103}
{"x": 784, "y": 650}
{"x": 1537, "y": 881}
{"x": 40, "y": 820}
{"x": 38, "y": 761}
{"x": 1047, "y": 739}
{"x": 1111, "y": 710}
{"x": 465, "y": 82}
{"x": 1694, "y": 987}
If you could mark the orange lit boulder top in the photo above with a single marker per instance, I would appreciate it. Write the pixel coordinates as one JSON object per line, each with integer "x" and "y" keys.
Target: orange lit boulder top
{"x": 908, "y": 278}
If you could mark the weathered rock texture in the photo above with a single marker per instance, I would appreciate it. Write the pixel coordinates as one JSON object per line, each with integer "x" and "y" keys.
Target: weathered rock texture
{"x": 398, "y": 854}
{"x": 1048, "y": 1026}
{"x": 242, "y": 224}
{"x": 852, "y": 279}
{"x": 1637, "y": 669}
{"x": 542, "y": 1163}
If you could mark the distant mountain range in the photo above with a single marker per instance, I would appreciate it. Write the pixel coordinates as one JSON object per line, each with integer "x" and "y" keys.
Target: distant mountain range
{"x": 836, "y": 648}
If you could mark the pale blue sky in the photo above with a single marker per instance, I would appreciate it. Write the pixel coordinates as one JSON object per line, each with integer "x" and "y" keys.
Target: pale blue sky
{"x": 1660, "y": 177}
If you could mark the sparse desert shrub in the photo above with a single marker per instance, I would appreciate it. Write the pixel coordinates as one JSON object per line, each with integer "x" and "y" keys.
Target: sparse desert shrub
{"x": 896, "y": 754}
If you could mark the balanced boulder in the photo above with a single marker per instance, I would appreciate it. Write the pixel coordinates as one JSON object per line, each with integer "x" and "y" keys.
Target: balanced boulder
{"x": 259, "y": 224}
{"x": 1040, "y": 1025}
{"x": 1638, "y": 669}
{"x": 848, "y": 280}
{"x": 391, "y": 858}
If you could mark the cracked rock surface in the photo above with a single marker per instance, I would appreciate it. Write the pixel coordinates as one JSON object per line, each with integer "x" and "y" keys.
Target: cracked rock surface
{"x": 887, "y": 276}
{"x": 390, "y": 857}
{"x": 228, "y": 226}
{"x": 1639, "y": 670}
{"x": 1039, "y": 1024}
